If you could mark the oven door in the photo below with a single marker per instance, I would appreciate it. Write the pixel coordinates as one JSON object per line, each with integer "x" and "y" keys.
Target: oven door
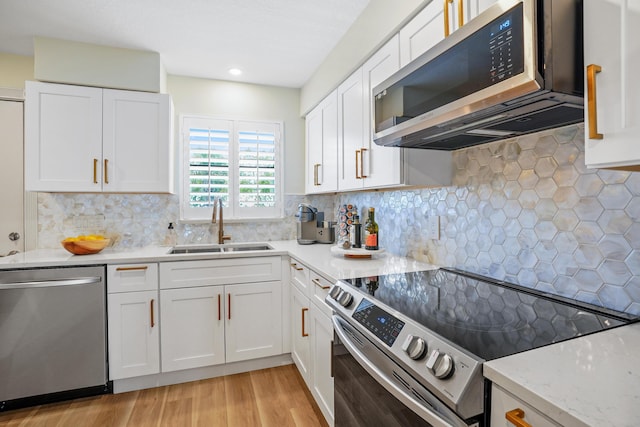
{"x": 371, "y": 389}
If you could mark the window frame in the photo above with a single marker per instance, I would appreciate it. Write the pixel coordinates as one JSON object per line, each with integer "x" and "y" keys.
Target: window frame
{"x": 232, "y": 211}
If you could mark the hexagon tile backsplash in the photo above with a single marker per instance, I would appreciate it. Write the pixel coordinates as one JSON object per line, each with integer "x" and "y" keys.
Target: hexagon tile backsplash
{"x": 525, "y": 210}
{"x": 528, "y": 211}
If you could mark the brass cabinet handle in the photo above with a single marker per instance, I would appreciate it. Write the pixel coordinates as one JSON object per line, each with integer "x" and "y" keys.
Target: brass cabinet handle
{"x": 142, "y": 267}
{"x": 219, "y": 312}
{"x": 592, "y": 106}
{"x": 318, "y": 284}
{"x": 315, "y": 174}
{"x": 152, "y": 316}
{"x": 516, "y": 417}
{"x": 362, "y": 163}
{"x": 106, "y": 174}
{"x": 95, "y": 171}
{"x": 460, "y": 13}
{"x": 229, "y": 303}
{"x": 294, "y": 265}
{"x": 446, "y": 17}
{"x": 304, "y": 334}
{"x": 357, "y": 169}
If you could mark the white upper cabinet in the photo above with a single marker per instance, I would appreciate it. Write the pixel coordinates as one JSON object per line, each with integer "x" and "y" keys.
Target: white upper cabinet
{"x": 612, "y": 101}
{"x": 423, "y": 32}
{"x": 83, "y": 139}
{"x": 381, "y": 165}
{"x": 322, "y": 146}
{"x": 362, "y": 163}
{"x": 429, "y": 26}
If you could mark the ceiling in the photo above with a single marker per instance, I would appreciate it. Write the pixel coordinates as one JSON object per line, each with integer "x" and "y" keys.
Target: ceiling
{"x": 274, "y": 42}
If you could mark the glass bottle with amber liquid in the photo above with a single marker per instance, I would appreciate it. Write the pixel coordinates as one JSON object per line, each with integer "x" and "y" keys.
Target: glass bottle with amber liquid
{"x": 371, "y": 231}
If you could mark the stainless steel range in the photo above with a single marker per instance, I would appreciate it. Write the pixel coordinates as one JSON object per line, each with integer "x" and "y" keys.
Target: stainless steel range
{"x": 410, "y": 347}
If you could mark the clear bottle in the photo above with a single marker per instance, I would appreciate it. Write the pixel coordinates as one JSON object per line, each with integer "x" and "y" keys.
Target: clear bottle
{"x": 355, "y": 232}
{"x": 171, "y": 238}
{"x": 371, "y": 231}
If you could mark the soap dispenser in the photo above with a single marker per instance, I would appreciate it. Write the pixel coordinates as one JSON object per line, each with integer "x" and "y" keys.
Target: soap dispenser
{"x": 171, "y": 238}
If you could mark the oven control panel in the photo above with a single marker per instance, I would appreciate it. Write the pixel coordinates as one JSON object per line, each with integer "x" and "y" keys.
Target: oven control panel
{"x": 379, "y": 322}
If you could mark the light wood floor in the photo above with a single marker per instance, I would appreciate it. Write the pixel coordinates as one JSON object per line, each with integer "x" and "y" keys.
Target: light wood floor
{"x": 271, "y": 397}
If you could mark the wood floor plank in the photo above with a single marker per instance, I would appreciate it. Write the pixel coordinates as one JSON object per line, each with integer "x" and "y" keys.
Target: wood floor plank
{"x": 275, "y": 397}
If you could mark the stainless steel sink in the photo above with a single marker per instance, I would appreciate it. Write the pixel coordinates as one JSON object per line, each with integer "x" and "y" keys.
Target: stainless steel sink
{"x": 188, "y": 249}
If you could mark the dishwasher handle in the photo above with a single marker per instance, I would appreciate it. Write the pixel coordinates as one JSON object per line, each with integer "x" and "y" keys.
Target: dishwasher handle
{"x": 51, "y": 283}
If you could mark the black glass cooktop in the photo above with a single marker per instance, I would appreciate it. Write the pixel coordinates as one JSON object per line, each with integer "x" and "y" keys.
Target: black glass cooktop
{"x": 491, "y": 319}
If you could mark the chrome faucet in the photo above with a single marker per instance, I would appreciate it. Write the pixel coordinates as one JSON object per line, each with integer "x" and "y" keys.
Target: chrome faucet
{"x": 221, "y": 236}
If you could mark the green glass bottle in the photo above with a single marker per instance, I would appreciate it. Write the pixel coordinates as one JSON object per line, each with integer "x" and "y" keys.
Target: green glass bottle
{"x": 371, "y": 230}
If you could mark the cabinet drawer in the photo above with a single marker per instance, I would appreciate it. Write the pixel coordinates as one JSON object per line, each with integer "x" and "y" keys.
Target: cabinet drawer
{"x": 503, "y": 402}
{"x": 319, "y": 291}
{"x": 187, "y": 274}
{"x": 299, "y": 274}
{"x": 132, "y": 277}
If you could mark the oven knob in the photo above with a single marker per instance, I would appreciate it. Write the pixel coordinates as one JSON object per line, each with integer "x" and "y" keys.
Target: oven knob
{"x": 334, "y": 292}
{"x": 440, "y": 364}
{"x": 345, "y": 299}
{"x": 415, "y": 347}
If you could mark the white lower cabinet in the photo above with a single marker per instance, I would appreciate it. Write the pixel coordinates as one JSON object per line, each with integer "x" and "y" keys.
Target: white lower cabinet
{"x": 253, "y": 325}
{"x": 321, "y": 378}
{"x": 312, "y": 334}
{"x": 505, "y": 404}
{"x": 213, "y": 313}
{"x": 134, "y": 331}
{"x": 192, "y": 327}
{"x": 300, "y": 348}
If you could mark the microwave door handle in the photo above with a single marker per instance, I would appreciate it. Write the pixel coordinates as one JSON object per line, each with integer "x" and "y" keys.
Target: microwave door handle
{"x": 431, "y": 417}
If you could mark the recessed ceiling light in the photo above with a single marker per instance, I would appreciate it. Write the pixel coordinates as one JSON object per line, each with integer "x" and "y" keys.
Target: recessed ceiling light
{"x": 235, "y": 71}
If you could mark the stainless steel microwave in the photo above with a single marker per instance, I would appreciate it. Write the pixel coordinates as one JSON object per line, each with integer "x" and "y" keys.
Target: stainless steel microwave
{"x": 516, "y": 68}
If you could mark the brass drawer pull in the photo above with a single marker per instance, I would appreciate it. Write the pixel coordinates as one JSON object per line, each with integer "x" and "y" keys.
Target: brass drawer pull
{"x": 106, "y": 173}
{"x": 362, "y": 163}
{"x": 516, "y": 417}
{"x": 357, "y": 168}
{"x": 95, "y": 171}
{"x": 460, "y": 13}
{"x": 143, "y": 267}
{"x": 294, "y": 265}
{"x": 318, "y": 284}
{"x": 446, "y": 17}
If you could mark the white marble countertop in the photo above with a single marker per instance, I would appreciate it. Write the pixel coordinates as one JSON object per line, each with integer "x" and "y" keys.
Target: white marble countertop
{"x": 317, "y": 256}
{"x": 588, "y": 381}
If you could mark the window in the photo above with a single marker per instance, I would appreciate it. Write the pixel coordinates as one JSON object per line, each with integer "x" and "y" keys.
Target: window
{"x": 234, "y": 161}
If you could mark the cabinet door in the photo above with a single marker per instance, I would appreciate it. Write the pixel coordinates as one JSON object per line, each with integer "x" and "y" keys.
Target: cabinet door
{"x": 63, "y": 138}
{"x": 192, "y": 327}
{"x": 382, "y": 165}
{"x": 617, "y": 98}
{"x": 322, "y": 146}
{"x": 321, "y": 333}
{"x": 134, "y": 340}
{"x": 351, "y": 119}
{"x": 253, "y": 321}
{"x": 300, "y": 332}
{"x": 137, "y": 142}
{"x": 423, "y": 32}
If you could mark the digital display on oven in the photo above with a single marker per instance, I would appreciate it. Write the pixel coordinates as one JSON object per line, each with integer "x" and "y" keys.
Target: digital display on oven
{"x": 379, "y": 322}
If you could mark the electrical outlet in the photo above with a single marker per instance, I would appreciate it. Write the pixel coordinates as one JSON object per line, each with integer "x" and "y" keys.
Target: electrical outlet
{"x": 434, "y": 227}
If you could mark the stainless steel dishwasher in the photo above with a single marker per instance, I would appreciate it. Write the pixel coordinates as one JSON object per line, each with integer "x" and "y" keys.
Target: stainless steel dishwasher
{"x": 52, "y": 335}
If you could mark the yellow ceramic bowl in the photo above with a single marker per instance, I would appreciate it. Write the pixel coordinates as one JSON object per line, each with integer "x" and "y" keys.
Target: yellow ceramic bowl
{"x": 85, "y": 247}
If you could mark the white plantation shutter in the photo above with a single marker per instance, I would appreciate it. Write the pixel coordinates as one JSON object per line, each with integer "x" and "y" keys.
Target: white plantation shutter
{"x": 235, "y": 162}
{"x": 257, "y": 148}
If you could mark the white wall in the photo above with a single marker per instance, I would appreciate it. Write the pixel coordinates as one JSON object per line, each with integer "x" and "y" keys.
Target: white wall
{"x": 247, "y": 101}
{"x": 377, "y": 23}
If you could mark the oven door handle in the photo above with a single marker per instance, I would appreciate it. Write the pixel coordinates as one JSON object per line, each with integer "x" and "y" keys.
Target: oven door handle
{"x": 436, "y": 420}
